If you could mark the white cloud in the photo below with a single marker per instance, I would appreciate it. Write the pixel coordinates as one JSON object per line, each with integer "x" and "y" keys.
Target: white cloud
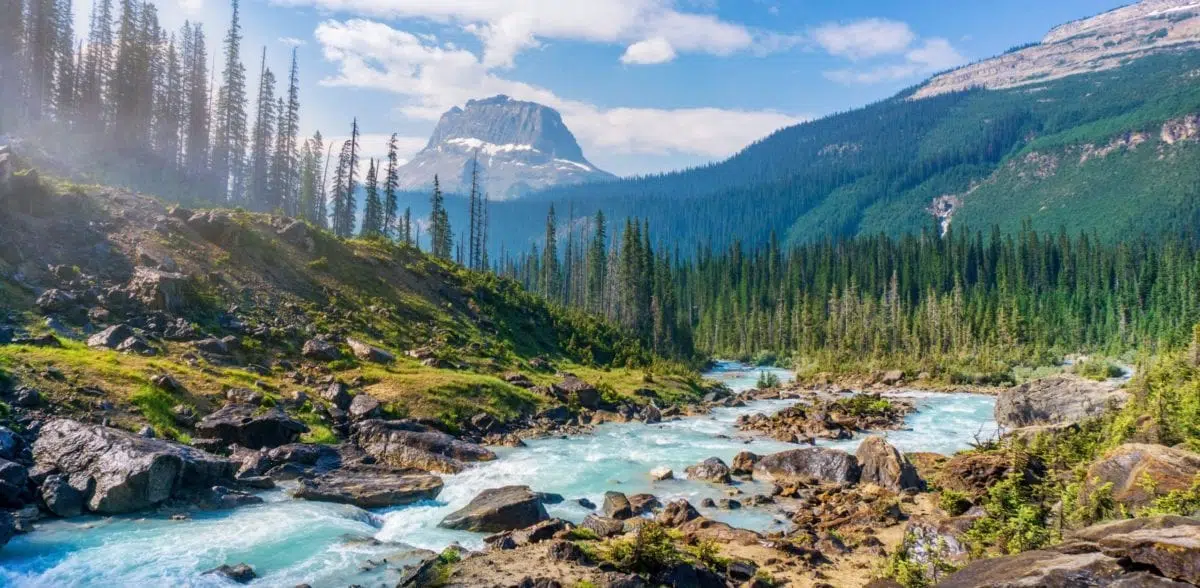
{"x": 657, "y": 50}
{"x": 292, "y": 41}
{"x": 865, "y": 38}
{"x": 507, "y": 27}
{"x": 894, "y": 50}
{"x": 936, "y": 54}
{"x": 431, "y": 78}
{"x": 931, "y": 56}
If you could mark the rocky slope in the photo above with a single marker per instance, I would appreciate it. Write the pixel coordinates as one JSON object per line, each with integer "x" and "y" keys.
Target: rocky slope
{"x": 519, "y": 146}
{"x": 1102, "y": 42}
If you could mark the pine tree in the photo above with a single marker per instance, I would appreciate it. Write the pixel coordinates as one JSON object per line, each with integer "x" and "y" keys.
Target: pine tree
{"x": 550, "y": 271}
{"x": 169, "y": 106}
{"x": 65, "y": 109}
{"x": 597, "y": 271}
{"x": 440, "y": 236}
{"x": 41, "y": 53}
{"x": 229, "y": 149}
{"x": 391, "y": 183}
{"x": 260, "y": 196}
{"x": 197, "y": 101}
{"x": 344, "y": 199}
{"x": 12, "y": 71}
{"x": 94, "y": 79}
{"x": 474, "y": 213}
{"x": 284, "y": 172}
{"x": 312, "y": 199}
{"x": 408, "y": 228}
{"x": 372, "y": 225}
{"x": 338, "y": 200}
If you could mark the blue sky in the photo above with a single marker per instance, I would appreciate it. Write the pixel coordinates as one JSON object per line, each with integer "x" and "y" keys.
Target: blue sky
{"x": 646, "y": 85}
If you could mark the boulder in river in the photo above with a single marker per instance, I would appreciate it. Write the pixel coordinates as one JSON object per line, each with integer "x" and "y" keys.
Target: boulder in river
{"x": 370, "y": 487}
{"x": 676, "y": 513}
{"x": 822, "y": 463}
{"x": 616, "y": 506}
{"x": 710, "y": 470}
{"x": 884, "y": 465}
{"x": 8, "y": 527}
{"x": 661, "y": 473}
{"x": 743, "y": 464}
{"x": 1057, "y": 400}
{"x": 406, "y": 444}
{"x": 14, "y": 479}
{"x": 125, "y": 472}
{"x": 240, "y": 573}
{"x": 61, "y": 498}
{"x": 244, "y": 425}
{"x": 498, "y": 509}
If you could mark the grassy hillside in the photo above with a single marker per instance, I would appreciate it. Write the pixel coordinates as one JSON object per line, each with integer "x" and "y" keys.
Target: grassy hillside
{"x": 273, "y": 286}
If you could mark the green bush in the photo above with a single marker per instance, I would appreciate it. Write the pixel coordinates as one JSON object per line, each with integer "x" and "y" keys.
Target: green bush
{"x": 767, "y": 380}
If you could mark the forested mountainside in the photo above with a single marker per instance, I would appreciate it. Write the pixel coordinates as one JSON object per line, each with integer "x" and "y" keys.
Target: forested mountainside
{"x": 1085, "y": 152}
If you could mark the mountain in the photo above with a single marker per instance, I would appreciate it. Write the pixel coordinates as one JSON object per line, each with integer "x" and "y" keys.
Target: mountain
{"x": 1105, "y": 41}
{"x": 1091, "y": 144}
{"x": 521, "y": 147}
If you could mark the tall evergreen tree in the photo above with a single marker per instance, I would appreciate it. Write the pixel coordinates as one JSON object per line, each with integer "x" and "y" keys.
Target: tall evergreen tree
{"x": 41, "y": 53}
{"x": 312, "y": 199}
{"x": 391, "y": 183}
{"x": 344, "y": 203}
{"x": 12, "y": 70}
{"x": 550, "y": 271}
{"x": 65, "y": 108}
{"x": 229, "y": 149}
{"x": 440, "y": 235}
{"x": 260, "y": 196}
{"x": 197, "y": 101}
{"x": 372, "y": 224}
{"x": 597, "y": 264}
{"x": 284, "y": 173}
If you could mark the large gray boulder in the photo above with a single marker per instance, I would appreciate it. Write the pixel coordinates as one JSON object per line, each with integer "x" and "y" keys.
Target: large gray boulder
{"x": 1125, "y": 469}
{"x": 883, "y": 465}
{"x": 244, "y": 425}
{"x": 710, "y": 470}
{"x": 498, "y": 509}
{"x": 822, "y": 463}
{"x": 370, "y": 487}
{"x": 110, "y": 337}
{"x": 1156, "y": 551}
{"x": 125, "y": 472}
{"x": 158, "y": 289}
{"x": 573, "y": 389}
{"x": 1057, "y": 400}
{"x": 406, "y": 444}
{"x": 367, "y": 352}
{"x": 10, "y": 443}
{"x": 14, "y": 479}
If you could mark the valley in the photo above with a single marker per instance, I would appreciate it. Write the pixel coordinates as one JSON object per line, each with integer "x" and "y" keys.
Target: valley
{"x": 947, "y": 338}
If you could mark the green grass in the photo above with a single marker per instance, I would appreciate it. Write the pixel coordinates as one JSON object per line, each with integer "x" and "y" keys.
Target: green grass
{"x": 156, "y": 405}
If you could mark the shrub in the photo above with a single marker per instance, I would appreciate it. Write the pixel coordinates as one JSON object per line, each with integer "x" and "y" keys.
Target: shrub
{"x": 767, "y": 379}
{"x": 954, "y": 502}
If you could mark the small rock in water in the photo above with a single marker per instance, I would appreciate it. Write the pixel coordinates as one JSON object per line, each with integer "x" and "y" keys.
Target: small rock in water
{"x": 585, "y": 503}
{"x": 661, "y": 473}
{"x": 240, "y": 573}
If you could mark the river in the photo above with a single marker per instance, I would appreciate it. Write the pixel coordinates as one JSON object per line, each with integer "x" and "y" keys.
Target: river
{"x": 289, "y": 542}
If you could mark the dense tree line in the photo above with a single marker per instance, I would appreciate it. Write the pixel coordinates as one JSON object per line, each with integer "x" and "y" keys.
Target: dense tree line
{"x": 972, "y": 296}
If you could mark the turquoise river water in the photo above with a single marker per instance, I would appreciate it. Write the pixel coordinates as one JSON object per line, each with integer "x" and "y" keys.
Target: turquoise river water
{"x": 289, "y": 542}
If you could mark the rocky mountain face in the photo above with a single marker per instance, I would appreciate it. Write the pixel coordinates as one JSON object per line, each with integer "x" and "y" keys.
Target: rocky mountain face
{"x": 1102, "y": 42}
{"x": 520, "y": 147}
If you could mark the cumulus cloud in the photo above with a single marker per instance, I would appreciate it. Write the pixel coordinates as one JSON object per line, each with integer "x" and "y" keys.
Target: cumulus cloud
{"x": 891, "y": 46}
{"x": 430, "y": 78}
{"x": 864, "y": 38}
{"x": 657, "y": 50}
{"x": 507, "y": 27}
{"x": 292, "y": 41}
